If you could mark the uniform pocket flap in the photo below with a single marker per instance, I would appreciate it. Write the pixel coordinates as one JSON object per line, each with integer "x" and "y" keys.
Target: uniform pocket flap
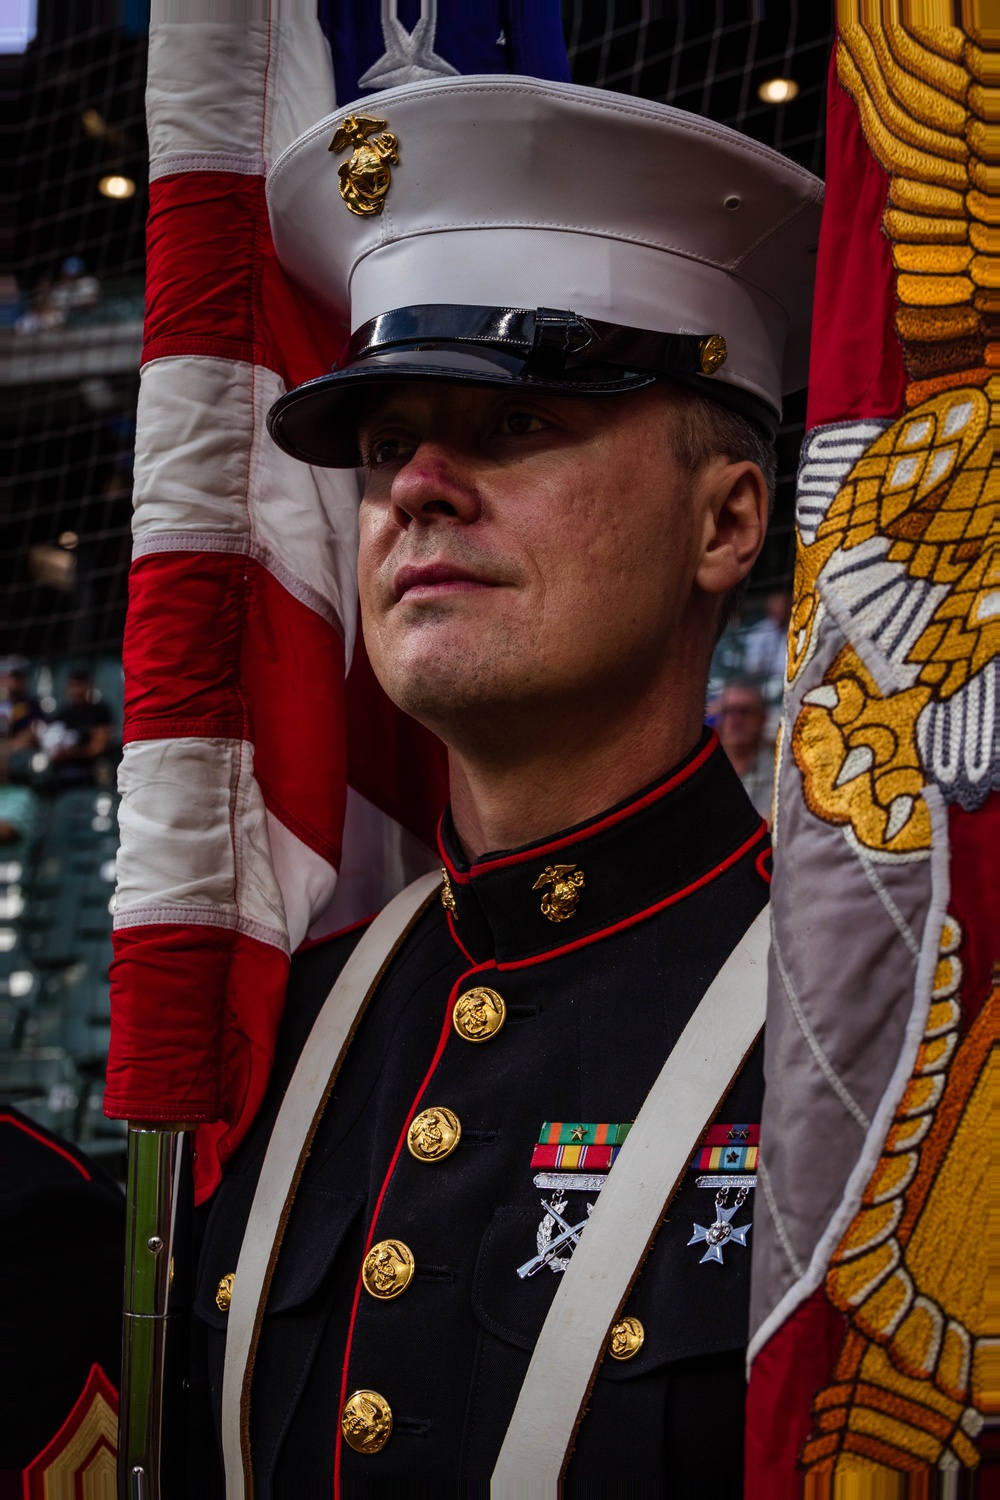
{"x": 316, "y": 1230}
{"x": 686, "y": 1308}
{"x": 317, "y": 1226}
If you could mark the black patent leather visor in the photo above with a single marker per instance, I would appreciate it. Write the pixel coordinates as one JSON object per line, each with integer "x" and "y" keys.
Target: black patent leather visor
{"x": 546, "y": 349}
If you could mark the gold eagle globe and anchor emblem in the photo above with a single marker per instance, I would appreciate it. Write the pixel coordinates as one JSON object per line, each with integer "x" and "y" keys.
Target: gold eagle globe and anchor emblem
{"x": 365, "y": 178}
{"x": 562, "y": 900}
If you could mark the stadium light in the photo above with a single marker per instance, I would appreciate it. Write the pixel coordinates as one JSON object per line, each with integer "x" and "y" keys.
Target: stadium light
{"x": 778, "y": 90}
{"x": 116, "y": 186}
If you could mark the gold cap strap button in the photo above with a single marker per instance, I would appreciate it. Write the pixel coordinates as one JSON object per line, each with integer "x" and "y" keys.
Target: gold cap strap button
{"x": 366, "y": 1422}
{"x": 626, "y": 1339}
{"x": 712, "y": 354}
{"x": 434, "y": 1134}
{"x": 479, "y": 1014}
{"x": 388, "y": 1269}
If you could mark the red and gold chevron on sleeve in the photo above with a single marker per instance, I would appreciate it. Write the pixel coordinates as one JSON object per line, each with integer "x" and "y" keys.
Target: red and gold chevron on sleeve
{"x": 82, "y": 1457}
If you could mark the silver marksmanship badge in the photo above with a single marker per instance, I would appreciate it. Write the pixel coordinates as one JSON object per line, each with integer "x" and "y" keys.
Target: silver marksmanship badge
{"x": 723, "y": 1232}
{"x": 550, "y": 1242}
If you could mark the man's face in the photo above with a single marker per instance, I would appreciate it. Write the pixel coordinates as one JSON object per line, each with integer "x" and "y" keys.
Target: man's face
{"x": 741, "y": 719}
{"x": 76, "y": 691}
{"x": 520, "y": 555}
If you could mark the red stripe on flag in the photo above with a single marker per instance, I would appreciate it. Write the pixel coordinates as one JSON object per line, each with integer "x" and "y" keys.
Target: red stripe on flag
{"x": 856, "y": 368}
{"x": 294, "y": 684}
{"x": 214, "y": 283}
{"x": 793, "y": 1365}
{"x": 160, "y": 979}
{"x": 237, "y": 656}
{"x": 391, "y": 759}
{"x": 182, "y": 646}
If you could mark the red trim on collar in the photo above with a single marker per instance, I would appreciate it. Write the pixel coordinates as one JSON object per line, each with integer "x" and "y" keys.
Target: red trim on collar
{"x": 457, "y": 940}
{"x": 539, "y": 851}
{"x": 762, "y": 866}
{"x": 639, "y": 916}
{"x": 43, "y": 1140}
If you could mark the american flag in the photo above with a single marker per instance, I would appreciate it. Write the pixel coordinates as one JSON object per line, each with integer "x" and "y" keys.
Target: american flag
{"x": 271, "y": 794}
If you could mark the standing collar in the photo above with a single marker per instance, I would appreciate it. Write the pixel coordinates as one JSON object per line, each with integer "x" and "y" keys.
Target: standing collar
{"x": 519, "y": 906}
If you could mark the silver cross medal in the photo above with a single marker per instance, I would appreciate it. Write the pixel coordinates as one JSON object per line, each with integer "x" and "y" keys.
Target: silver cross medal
{"x": 723, "y": 1231}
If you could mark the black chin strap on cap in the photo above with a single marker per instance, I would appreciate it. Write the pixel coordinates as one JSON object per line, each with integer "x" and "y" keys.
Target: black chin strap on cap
{"x": 545, "y": 349}
{"x": 552, "y": 342}
{"x": 557, "y": 345}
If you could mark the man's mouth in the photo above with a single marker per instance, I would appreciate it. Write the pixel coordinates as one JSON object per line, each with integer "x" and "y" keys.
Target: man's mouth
{"x": 425, "y": 581}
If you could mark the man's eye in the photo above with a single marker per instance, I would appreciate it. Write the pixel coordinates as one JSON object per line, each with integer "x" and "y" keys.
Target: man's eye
{"x": 518, "y": 423}
{"x": 384, "y": 451}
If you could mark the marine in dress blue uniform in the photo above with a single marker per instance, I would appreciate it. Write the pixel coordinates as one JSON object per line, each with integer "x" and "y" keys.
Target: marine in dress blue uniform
{"x": 500, "y": 234}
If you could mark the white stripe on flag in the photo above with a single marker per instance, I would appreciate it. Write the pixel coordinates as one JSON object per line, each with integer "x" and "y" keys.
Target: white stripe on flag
{"x": 193, "y": 108}
{"x": 199, "y": 417}
{"x": 380, "y": 858}
{"x": 195, "y": 839}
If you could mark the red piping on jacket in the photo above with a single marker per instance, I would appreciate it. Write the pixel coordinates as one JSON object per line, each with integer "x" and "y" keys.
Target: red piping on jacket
{"x": 442, "y": 1042}
{"x": 44, "y": 1141}
{"x": 639, "y": 916}
{"x": 458, "y": 941}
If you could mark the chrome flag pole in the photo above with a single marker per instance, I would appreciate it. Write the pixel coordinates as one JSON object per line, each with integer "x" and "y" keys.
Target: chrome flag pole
{"x": 159, "y": 1202}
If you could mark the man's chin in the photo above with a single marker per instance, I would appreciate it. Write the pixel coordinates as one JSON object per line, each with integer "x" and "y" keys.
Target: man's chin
{"x": 451, "y": 691}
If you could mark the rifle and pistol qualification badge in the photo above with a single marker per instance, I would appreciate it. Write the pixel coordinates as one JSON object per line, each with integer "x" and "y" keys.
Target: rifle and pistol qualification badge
{"x": 574, "y": 1156}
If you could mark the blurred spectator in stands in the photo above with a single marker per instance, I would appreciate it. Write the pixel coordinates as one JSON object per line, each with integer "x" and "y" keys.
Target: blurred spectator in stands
{"x": 21, "y": 718}
{"x": 77, "y": 739}
{"x": 42, "y": 312}
{"x": 766, "y": 642}
{"x": 10, "y": 300}
{"x": 739, "y": 715}
{"x": 75, "y": 290}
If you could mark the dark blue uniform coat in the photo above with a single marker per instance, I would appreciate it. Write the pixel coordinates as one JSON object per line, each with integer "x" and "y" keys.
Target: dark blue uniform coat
{"x": 595, "y": 1002}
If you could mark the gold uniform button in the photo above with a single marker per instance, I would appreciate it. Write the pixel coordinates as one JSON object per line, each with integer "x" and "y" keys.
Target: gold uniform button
{"x": 224, "y": 1291}
{"x": 366, "y": 1422}
{"x": 626, "y": 1338}
{"x": 434, "y": 1134}
{"x": 388, "y": 1269}
{"x": 479, "y": 1014}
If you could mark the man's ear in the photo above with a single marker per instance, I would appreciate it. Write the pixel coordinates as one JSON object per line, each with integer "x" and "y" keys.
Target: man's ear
{"x": 734, "y": 504}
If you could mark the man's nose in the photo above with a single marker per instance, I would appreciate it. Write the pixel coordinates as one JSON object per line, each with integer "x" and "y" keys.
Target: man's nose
{"x": 435, "y": 484}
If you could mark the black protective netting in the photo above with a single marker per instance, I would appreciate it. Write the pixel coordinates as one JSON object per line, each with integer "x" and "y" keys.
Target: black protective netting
{"x": 72, "y": 318}
{"x": 68, "y": 391}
